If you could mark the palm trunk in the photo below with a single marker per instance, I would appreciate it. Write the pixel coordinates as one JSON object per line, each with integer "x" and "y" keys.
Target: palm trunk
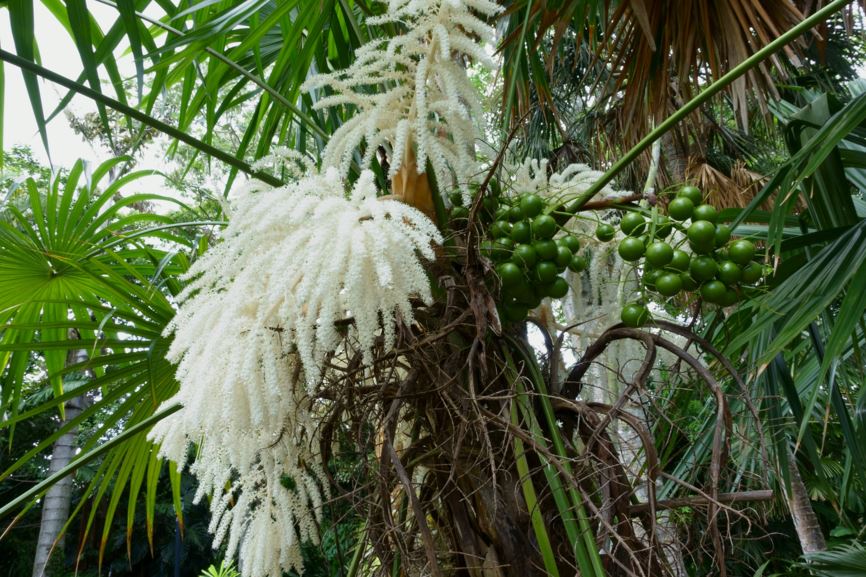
{"x": 802, "y": 514}
{"x": 676, "y": 159}
{"x": 57, "y": 501}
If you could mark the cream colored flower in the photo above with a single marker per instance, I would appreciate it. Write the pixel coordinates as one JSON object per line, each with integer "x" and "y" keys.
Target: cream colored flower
{"x": 413, "y": 88}
{"x": 254, "y": 328}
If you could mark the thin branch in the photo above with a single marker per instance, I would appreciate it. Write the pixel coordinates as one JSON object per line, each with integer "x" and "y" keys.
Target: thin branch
{"x": 703, "y": 500}
{"x": 420, "y": 518}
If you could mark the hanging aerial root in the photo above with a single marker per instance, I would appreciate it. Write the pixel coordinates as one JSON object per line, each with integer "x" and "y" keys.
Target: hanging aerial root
{"x": 723, "y": 421}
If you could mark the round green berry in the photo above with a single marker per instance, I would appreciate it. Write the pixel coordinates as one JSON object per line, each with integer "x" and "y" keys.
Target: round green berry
{"x": 693, "y": 193}
{"x": 669, "y": 284}
{"x": 543, "y": 226}
{"x": 531, "y": 205}
{"x": 631, "y": 249}
{"x": 634, "y": 315}
{"x": 681, "y": 208}
{"x": 659, "y": 254}
{"x": 633, "y": 223}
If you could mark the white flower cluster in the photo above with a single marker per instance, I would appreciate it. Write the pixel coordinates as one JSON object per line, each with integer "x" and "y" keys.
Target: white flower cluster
{"x": 533, "y": 175}
{"x": 257, "y": 455}
{"x": 413, "y": 88}
{"x": 295, "y": 164}
{"x": 251, "y": 337}
{"x": 302, "y": 257}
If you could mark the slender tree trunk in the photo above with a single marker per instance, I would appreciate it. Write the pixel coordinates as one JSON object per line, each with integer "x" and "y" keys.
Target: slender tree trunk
{"x": 57, "y": 501}
{"x": 803, "y": 515}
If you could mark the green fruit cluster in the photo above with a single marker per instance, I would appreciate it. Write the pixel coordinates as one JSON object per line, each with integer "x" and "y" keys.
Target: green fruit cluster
{"x": 459, "y": 213}
{"x": 718, "y": 269}
{"x": 529, "y": 260}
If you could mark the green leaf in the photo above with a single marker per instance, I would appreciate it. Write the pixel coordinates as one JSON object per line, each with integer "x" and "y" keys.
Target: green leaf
{"x": 141, "y": 461}
{"x": 851, "y": 312}
{"x": 803, "y": 296}
{"x": 154, "y": 467}
{"x": 31, "y": 67}
{"x": 84, "y": 458}
{"x": 571, "y": 508}
{"x": 531, "y": 498}
{"x": 79, "y": 24}
{"x": 126, "y": 8}
{"x": 2, "y": 112}
{"x": 175, "y": 479}
{"x": 23, "y": 34}
{"x": 75, "y": 258}
{"x": 842, "y": 561}
{"x": 833, "y": 206}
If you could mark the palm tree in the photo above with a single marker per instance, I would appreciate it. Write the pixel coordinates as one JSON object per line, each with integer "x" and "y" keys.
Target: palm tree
{"x": 58, "y": 499}
{"x": 62, "y": 255}
{"x": 476, "y": 456}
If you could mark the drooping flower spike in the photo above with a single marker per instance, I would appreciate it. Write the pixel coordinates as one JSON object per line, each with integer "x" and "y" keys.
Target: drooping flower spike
{"x": 255, "y": 325}
{"x": 259, "y": 318}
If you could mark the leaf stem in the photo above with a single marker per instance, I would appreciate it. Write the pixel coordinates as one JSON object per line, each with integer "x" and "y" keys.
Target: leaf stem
{"x": 86, "y": 458}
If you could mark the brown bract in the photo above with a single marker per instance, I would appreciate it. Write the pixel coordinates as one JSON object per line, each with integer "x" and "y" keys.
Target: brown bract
{"x": 413, "y": 187}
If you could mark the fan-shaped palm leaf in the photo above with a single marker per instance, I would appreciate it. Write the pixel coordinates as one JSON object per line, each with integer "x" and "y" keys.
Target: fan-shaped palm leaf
{"x": 658, "y": 52}
{"x": 842, "y": 561}
{"x": 79, "y": 259}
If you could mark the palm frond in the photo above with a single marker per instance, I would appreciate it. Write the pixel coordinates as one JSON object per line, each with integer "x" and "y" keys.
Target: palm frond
{"x": 220, "y": 58}
{"x": 841, "y": 561}
{"x": 662, "y": 51}
{"x": 659, "y": 54}
{"x": 76, "y": 260}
